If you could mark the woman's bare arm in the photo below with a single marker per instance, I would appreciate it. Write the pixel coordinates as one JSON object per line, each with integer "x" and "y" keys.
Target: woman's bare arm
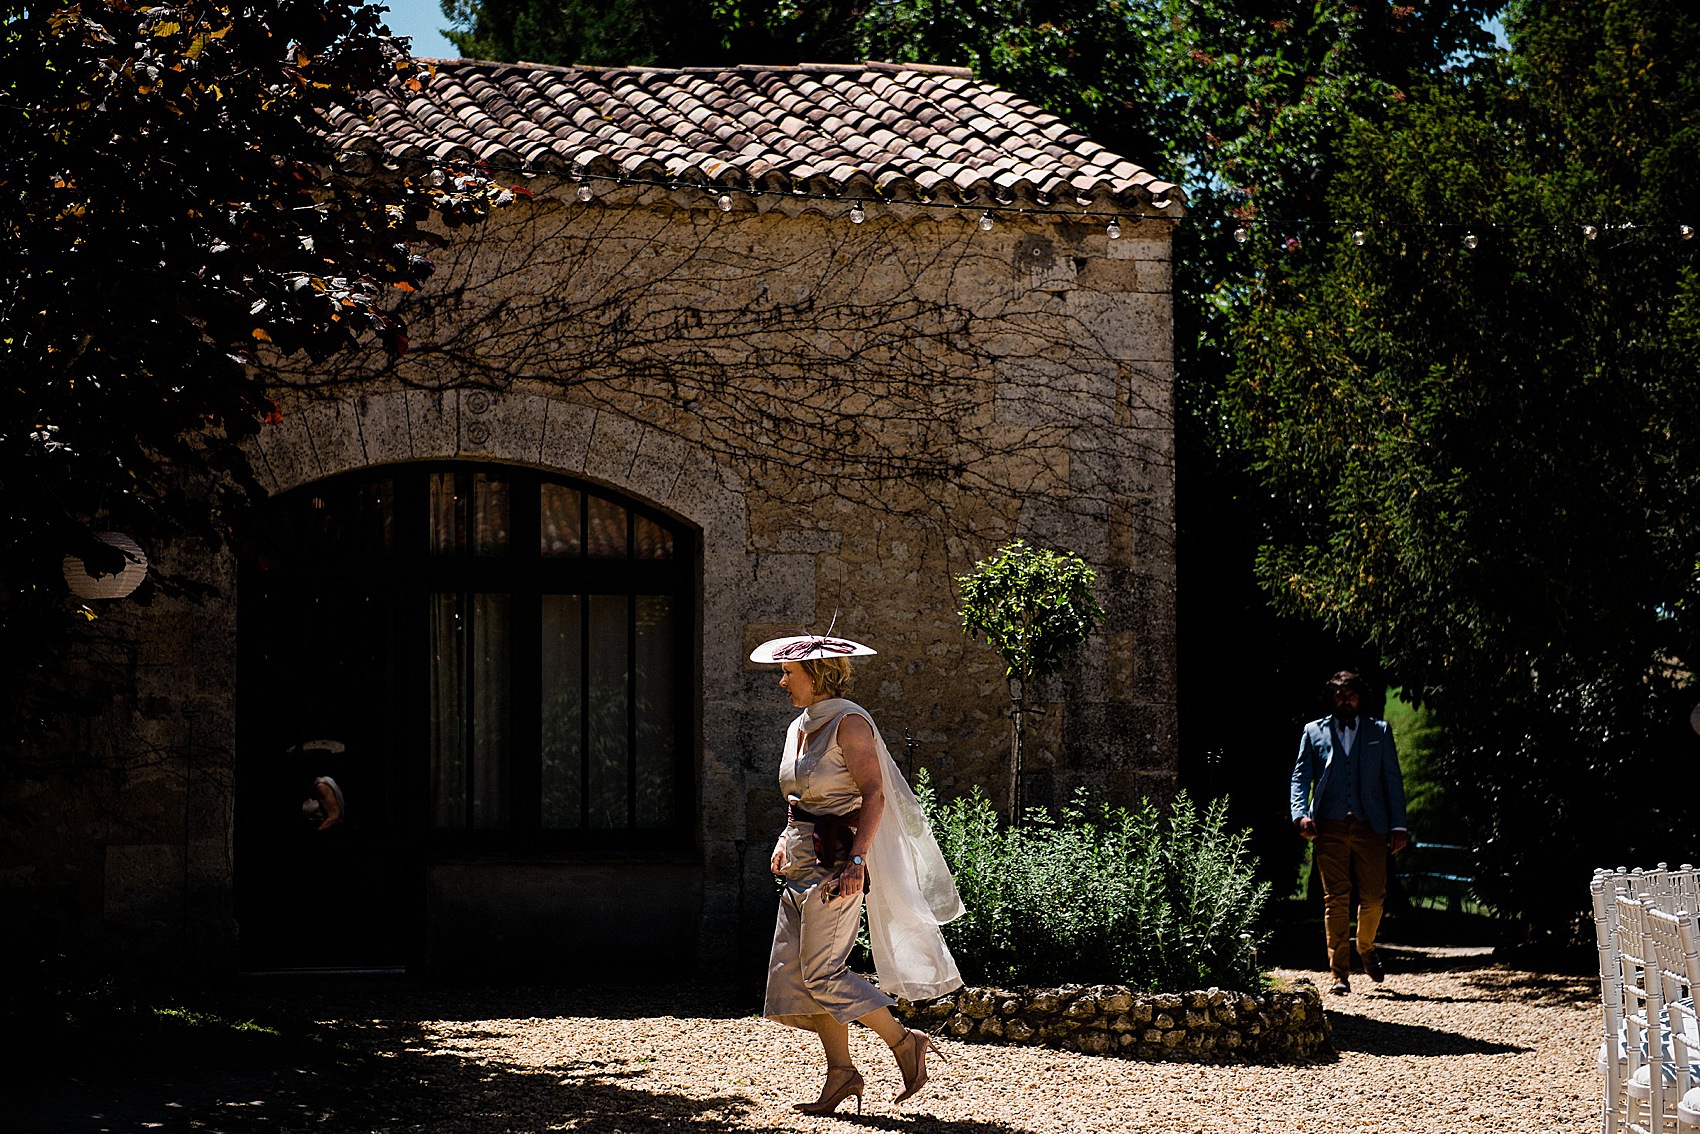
{"x": 328, "y": 803}
{"x": 856, "y": 739}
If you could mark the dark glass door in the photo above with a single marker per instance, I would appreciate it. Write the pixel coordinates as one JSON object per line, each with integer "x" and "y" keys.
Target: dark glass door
{"x": 319, "y": 699}
{"x": 487, "y": 662}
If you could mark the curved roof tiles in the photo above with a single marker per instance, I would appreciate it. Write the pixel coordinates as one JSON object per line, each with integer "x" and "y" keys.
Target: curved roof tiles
{"x": 915, "y": 132}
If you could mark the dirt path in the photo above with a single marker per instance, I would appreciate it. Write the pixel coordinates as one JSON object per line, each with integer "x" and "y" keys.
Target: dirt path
{"x": 1472, "y": 1049}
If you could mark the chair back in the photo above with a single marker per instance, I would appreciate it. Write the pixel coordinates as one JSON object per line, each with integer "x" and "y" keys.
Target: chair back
{"x": 1643, "y": 1009}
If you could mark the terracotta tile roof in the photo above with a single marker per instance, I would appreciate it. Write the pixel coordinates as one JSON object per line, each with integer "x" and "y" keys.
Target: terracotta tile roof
{"x": 902, "y": 132}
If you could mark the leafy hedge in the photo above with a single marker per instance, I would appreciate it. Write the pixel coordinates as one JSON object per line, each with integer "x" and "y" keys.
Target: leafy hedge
{"x": 1100, "y": 895}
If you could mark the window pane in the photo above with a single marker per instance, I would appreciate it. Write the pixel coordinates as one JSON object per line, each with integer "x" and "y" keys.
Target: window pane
{"x": 469, "y": 710}
{"x": 561, "y": 534}
{"x": 489, "y": 514}
{"x": 563, "y": 711}
{"x": 448, "y": 712}
{"x": 607, "y": 529}
{"x": 336, "y": 519}
{"x": 609, "y": 719}
{"x": 491, "y": 631}
{"x": 447, "y": 529}
{"x": 655, "y": 723}
{"x": 652, "y": 540}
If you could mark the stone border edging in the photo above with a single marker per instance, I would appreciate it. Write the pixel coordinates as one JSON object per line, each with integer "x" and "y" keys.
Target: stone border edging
{"x": 1211, "y": 1025}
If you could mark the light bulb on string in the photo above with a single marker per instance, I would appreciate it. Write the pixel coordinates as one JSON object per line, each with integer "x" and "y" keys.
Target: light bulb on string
{"x": 1359, "y": 236}
{"x": 1113, "y": 230}
{"x": 1242, "y": 234}
{"x": 585, "y": 192}
{"x": 725, "y": 202}
{"x": 1685, "y": 232}
{"x": 1589, "y": 232}
{"x": 987, "y": 221}
{"x": 857, "y": 213}
{"x": 1470, "y": 240}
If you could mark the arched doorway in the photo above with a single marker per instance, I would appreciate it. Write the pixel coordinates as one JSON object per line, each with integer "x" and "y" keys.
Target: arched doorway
{"x": 490, "y": 661}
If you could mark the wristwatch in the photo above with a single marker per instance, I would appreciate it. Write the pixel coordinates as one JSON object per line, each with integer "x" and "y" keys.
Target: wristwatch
{"x": 856, "y": 860}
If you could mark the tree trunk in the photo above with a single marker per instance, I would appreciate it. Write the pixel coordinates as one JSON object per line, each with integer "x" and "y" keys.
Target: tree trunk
{"x": 1018, "y": 700}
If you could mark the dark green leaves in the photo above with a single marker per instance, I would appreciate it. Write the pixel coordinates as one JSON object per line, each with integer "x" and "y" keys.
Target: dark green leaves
{"x": 1033, "y": 606}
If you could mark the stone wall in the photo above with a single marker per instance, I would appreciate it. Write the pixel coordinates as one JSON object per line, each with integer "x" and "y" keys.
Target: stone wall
{"x": 1212, "y": 1025}
{"x": 931, "y": 389}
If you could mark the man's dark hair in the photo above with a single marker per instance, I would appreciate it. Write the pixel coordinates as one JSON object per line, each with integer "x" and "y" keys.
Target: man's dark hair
{"x": 1348, "y": 679}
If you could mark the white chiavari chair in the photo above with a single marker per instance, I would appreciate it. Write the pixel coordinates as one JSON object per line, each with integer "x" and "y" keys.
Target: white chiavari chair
{"x": 1670, "y": 937}
{"x": 1613, "y": 1061}
{"x": 1646, "y": 1090}
{"x": 1685, "y": 1022}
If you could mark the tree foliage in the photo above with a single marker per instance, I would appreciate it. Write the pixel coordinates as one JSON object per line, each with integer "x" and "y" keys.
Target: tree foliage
{"x": 1034, "y": 606}
{"x": 661, "y": 33}
{"x": 1479, "y": 429}
{"x": 172, "y": 216}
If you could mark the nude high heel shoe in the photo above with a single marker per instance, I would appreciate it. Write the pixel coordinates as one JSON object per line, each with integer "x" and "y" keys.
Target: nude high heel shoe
{"x": 911, "y": 1056}
{"x": 848, "y": 1082}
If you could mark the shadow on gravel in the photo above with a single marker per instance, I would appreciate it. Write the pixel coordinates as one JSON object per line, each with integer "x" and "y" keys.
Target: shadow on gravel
{"x": 925, "y": 1124}
{"x": 1383, "y": 1037}
{"x": 292, "y": 1055}
{"x": 1538, "y": 990}
{"x": 1535, "y": 988}
{"x": 438, "y": 1001}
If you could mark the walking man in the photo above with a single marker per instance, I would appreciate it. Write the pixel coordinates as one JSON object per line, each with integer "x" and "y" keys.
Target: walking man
{"x": 1355, "y": 814}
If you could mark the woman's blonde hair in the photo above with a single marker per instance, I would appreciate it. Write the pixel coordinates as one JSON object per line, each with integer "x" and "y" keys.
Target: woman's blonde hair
{"x": 831, "y": 677}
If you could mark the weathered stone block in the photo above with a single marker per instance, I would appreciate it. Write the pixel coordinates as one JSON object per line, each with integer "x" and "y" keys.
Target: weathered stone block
{"x": 1081, "y": 1008}
{"x": 1044, "y": 1003}
{"x": 1093, "y": 1042}
{"x": 1116, "y": 1002}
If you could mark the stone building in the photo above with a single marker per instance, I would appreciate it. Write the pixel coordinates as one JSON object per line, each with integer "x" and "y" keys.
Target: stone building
{"x": 765, "y": 348}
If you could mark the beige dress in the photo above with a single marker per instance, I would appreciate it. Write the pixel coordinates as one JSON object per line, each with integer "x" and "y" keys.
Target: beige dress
{"x": 808, "y": 971}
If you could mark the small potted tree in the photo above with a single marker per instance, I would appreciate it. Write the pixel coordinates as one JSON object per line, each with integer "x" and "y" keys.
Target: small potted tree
{"x": 1034, "y": 607}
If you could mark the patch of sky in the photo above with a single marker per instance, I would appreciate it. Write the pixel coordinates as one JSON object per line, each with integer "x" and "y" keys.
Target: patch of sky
{"x": 423, "y": 21}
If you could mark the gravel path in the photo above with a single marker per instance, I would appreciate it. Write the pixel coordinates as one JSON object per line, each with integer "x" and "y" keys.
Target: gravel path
{"x": 1451, "y": 1050}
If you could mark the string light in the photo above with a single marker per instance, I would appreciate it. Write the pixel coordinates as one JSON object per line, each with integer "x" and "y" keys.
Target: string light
{"x": 987, "y": 220}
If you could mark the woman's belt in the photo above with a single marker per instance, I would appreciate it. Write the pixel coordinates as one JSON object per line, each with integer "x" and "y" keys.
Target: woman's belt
{"x": 833, "y": 833}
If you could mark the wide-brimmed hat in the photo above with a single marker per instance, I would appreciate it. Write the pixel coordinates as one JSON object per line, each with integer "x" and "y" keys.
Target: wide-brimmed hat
{"x": 808, "y": 647}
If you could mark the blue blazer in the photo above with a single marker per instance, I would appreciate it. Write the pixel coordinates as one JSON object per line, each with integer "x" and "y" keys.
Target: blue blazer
{"x": 1381, "y": 786}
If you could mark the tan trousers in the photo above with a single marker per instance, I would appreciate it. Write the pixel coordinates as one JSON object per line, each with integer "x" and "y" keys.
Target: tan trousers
{"x": 808, "y": 972}
{"x": 1344, "y": 848}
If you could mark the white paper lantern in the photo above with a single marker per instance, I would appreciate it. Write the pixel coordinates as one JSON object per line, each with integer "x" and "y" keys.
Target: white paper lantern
{"x": 83, "y": 584}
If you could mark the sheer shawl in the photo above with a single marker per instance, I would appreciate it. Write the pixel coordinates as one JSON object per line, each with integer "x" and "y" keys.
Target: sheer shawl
{"x": 910, "y": 890}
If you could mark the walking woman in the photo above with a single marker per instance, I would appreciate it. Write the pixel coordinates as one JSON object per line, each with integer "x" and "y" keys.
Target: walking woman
{"x": 854, "y": 835}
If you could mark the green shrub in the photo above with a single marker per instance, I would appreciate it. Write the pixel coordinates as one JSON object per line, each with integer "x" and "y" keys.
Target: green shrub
{"x": 1100, "y": 895}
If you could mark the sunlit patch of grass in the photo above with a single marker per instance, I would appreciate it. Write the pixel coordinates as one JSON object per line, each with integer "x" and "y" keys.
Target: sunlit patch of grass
{"x": 194, "y": 1019}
